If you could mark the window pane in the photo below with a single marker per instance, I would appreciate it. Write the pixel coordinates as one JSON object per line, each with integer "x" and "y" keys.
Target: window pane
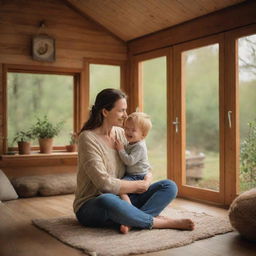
{"x": 247, "y": 96}
{"x": 102, "y": 77}
{"x": 154, "y": 98}
{"x": 201, "y": 77}
{"x": 32, "y": 95}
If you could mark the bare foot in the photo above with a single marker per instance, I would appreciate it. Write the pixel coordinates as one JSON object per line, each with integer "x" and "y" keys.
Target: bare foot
{"x": 165, "y": 222}
{"x": 124, "y": 229}
{"x": 185, "y": 224}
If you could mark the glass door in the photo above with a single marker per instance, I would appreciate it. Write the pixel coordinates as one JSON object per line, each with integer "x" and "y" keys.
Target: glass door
{"x": 209, "y": 117}
{"x": 240, "y": 172}
{"x": 198, "y": 120}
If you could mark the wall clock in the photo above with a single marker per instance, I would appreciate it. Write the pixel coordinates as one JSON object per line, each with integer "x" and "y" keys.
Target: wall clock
{"x": 43, "y": 48}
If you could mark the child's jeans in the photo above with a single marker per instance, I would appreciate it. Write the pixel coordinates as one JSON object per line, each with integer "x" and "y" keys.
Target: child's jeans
{"x": 134, "y": 177}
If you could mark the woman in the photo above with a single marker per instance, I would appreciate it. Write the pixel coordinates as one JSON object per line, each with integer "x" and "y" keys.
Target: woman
{"x": 97, "y": 202}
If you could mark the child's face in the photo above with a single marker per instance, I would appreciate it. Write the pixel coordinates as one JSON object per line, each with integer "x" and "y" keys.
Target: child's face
{"x": 132, "y": 132}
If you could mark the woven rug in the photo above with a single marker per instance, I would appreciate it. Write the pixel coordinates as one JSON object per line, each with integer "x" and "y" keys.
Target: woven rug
{"x": 109, "y": 242}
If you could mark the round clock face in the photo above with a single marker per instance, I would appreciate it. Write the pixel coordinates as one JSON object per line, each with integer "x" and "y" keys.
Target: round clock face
{"x": 43, "y": 49}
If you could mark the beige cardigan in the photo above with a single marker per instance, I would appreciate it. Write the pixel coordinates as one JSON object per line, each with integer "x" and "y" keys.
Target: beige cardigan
{"x": 99, "y": 167}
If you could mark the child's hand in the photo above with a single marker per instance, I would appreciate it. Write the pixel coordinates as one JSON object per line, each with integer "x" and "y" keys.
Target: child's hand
{"x": 119, "y": 145}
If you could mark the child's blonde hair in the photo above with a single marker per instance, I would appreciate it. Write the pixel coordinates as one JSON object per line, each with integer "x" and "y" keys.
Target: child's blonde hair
{"x": 142, "y": 120}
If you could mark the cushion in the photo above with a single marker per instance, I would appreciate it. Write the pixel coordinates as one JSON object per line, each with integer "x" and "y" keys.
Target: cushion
{"x": 7, "y": 191}
{"x": 45, "y": 185}
{"x": 242, "y": 214}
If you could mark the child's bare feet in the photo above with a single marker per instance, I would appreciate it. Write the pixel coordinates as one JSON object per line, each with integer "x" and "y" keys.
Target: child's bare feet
{"x": 184, "y": 224}
{"x": 124, "y": 229}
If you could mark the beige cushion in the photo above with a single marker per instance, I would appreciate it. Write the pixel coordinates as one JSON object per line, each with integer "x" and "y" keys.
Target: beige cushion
{"x": 7, "y": 191}
{"x": 45, "y": 185}
{"x": 242, "y": 214}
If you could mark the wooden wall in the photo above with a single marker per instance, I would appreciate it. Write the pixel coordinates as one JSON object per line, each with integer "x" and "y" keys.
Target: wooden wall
{"x": 76, "y": 38}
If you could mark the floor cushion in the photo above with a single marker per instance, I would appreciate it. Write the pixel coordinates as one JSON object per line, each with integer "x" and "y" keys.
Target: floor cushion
{"x": 45, "y": 185}
{"x": 242, "y": 214}
{"x": 7, "y": 191}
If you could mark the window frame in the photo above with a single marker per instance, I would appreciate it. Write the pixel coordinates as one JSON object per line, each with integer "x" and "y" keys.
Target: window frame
{"x": 77, "y": 92}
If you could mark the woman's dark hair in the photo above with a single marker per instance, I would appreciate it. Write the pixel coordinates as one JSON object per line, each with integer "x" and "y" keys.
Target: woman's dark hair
{"x": 104, "y": 99}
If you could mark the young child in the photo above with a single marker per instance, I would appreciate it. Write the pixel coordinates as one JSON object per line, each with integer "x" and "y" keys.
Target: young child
{"x": 134, "y": 154}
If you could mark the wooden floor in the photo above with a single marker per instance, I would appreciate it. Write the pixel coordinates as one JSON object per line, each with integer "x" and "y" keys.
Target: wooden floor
{"x": 18, "y": 237}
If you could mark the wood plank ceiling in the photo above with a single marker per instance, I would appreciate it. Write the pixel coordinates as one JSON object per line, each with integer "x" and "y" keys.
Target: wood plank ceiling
{"x": 130, "y": 19}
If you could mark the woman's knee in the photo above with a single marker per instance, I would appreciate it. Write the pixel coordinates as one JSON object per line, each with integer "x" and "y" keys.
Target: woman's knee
{"x": 107, "y": 200}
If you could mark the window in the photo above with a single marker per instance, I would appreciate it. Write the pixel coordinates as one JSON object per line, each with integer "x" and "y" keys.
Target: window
{"x": 36, "y": 95}
{"x": 32, "y": 92}
{"x": 154, "y": 86}
{"x": 102, "y": 77}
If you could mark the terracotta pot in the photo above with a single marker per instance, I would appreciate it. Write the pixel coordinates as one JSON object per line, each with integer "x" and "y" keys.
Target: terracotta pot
{"x": 71, "y": 148}
{"x": 24, "y": 147}
{"x": 46, "y": 145}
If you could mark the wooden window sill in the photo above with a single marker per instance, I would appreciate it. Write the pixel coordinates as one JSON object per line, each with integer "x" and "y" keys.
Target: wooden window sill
{"x": 39, "y": 159}
{"x": 37, "y": 154}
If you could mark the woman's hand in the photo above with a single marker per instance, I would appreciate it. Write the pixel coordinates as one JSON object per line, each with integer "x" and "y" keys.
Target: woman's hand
{"x": 142, "y": 186}
{"x": 137, "y": 186}
{"x": 145, "y": 183}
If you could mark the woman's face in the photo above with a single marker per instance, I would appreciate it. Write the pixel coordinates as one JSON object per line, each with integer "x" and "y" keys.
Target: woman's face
{"x": 116, "y": 116}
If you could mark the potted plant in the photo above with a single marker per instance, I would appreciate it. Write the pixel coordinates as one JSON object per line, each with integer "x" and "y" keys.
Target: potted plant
{"x": 23, "y": 139}
{"x": 45, "y": 131}
{"x": 72, "y": 147}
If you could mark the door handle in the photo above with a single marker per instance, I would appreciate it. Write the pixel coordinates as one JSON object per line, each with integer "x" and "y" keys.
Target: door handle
{"x": 176, "y": 123}
{"x": 229, "y": 118}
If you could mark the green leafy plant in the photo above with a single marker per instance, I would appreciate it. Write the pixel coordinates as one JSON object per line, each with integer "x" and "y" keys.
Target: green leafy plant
{"x": 248, "y": 157}
{"x": 43, "y": 128}
{"x": 22, "y": 136}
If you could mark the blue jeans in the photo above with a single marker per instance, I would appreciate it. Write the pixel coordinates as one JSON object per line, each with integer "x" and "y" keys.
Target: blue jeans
{"x": 134, "y": 177}
{"x": 109, "y": 209}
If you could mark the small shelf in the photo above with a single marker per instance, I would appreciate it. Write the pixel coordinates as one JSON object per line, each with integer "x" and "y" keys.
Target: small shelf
{"x": 37, "y": 154}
